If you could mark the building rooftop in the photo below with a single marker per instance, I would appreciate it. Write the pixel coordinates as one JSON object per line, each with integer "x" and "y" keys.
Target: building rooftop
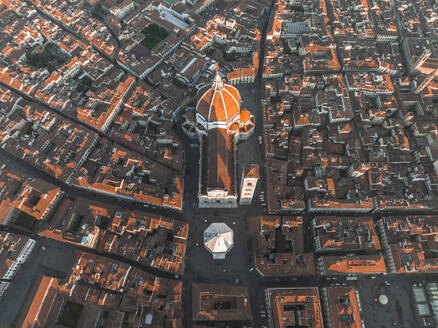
{"x": 151, "y": 240}
{"x": 343, "y": 307}
{"x": 26, "y": 201}
{"x": 351, "y": 264}
{"x": 127, "y": 173}
{"x": 344, "y": 234}
{"x": 146, "y": 124}
{"x": 289, "y": 307}
{"x": 15, "y": 250}
{"x": 279, "y": 246}
{"x": 411, "y": 240}
{"x": 42, "y": 137}
{"x": 99, "y": 289}
{"x": 220, "y": 303}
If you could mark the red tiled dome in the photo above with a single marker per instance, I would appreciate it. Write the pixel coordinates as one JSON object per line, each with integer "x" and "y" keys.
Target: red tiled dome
{"x": 244, "y": 116}
{"x": 219, "y": 103}
{"x": 234, "y": 127}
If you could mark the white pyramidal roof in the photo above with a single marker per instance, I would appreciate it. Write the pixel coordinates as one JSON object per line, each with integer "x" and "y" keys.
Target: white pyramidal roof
{"x": 218, "y": 239}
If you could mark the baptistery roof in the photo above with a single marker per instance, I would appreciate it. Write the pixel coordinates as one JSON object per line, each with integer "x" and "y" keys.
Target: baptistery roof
{"x": 218, "y": 239}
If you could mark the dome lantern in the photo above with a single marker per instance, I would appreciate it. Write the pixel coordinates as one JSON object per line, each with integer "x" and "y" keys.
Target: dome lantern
{"x": 217, "y": 83}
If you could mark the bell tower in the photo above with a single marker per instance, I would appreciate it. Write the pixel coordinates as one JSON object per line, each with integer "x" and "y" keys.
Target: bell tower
{"x": 250, "y": 176}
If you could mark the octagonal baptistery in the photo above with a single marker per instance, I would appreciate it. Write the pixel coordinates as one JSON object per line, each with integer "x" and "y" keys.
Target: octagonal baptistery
{"x": 219, "y": 107}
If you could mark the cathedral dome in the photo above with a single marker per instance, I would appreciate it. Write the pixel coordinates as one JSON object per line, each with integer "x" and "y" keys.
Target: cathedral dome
{"x": 219, "y": 103}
